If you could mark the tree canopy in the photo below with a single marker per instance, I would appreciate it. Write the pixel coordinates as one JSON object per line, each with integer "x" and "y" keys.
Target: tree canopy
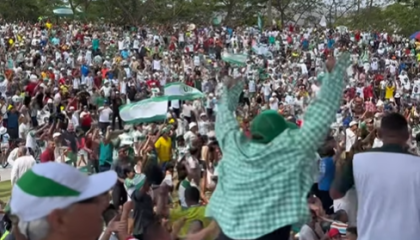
{"x": 401, "y": 16}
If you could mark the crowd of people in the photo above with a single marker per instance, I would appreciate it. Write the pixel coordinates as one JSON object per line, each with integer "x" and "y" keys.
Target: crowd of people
{"x": 274, "y": 147}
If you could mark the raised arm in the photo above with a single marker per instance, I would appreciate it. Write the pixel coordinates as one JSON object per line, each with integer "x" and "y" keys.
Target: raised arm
{"x": 227, "y": 127}
{"x": 322, "y": 112}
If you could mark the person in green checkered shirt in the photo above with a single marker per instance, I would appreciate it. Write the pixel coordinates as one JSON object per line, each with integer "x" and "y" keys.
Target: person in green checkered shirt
{"x": 263, "y": 182}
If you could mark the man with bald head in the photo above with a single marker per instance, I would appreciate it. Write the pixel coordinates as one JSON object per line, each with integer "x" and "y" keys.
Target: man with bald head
{"x": 23, "y": 163}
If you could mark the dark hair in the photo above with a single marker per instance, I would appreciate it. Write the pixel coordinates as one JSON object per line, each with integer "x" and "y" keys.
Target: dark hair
{"x": 7, "y": 222}
{"x": 352, "y": 230}
{"x": 394, "y": 124}
{"x": 339, "y": 214}
{"x": 154, "y": 174}
{"x": 169, "y": 167}
{"x": 326, "y": 151}
{"x": 192, "y": 194}
{"x": 182, "y": 173}
{"x": 127, "y": 169}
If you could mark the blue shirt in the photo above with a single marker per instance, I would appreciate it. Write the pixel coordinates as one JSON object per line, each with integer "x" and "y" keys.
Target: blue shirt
{"x": 85, "y": 70}
{"x": 12, "y": 120}
{"x": 105, "y": 154}
{"x": 305, "y": 43}
{"x": 326, "y": 173}
{"x": 124, "y": 54}
{"x": 55, "y": 41}
{"x": 330, "y": 43}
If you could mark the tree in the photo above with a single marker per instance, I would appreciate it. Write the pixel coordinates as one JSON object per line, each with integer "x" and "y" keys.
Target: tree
{"x": 399, "y": 18}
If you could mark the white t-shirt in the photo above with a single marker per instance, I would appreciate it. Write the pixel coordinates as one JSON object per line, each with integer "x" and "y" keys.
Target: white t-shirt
{"x": 186, "y": 110}
{"x": 3, "y": 87}
{"x": 30, "y": 140}
{"x": 350, "y": 139}
{"x": 388, "y": 196}
{"x": 107, "y": 90}
{"x": 23, "y": 130}
{"x": 104, "y": 115}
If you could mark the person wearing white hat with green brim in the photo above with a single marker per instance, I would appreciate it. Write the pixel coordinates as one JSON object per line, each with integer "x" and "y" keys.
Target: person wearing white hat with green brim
{"x": 56, "y": 201}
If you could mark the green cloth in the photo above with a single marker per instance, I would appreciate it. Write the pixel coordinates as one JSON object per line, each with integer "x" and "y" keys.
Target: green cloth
{"x": 197, "y": 84}
{"x": 100, "y": 101}
{"x": 268, "y": 125}
{"x": 249, "y": 169}
{"x": 95, "y": 44}
{"x": 4, "y": 235}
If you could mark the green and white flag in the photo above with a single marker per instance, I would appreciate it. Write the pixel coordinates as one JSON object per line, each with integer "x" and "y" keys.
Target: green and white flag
{"x": 148, "y": 110}
{"x": 236, "y": 60}
{"x": 260, "y": 22}
{"x": 181, "y": 91}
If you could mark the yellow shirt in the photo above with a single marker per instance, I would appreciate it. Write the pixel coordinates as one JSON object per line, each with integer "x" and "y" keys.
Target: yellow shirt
{"x": 389, "y": 92}
{"x": 163, "y": 148}
{"x": 64, "y": 89}
{"x": 194, "y": 213}
{"x": 48, "y": 25}
{"x": 418, "y": 57}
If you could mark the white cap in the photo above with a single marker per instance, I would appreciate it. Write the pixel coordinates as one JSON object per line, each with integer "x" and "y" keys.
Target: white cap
{"x": 57, "y": 134}
{"x": 191, "y": 125}
{"x": 352, "y": 123}
{"x": 52, "y": 186}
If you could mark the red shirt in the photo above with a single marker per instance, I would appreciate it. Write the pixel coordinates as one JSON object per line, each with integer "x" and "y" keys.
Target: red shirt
{"x": 367, "y": 92}
{"x": 150, "y": 83}
{"x": 74, "y": 103}
{"x": 86, "y": 121}
{"x": 47, "y": 156}
{"x": 31, "y": 87}
{"x": 97, "y": 81}
{"x": 352, "y": 92}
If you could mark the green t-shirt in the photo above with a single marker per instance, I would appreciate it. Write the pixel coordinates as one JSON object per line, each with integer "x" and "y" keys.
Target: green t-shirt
{"x": 100, "y": 101}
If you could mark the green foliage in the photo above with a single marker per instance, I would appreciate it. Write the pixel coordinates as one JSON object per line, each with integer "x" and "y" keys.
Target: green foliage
{"x": 401, "y": 18}
{"x": 128, "y": 12}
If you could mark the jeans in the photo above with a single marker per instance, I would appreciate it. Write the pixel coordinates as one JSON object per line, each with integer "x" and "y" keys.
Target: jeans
{"x": 279, "y": 234}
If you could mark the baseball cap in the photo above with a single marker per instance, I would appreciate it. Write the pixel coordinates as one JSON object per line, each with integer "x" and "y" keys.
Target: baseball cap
{"x": 52, "y": 185}
{"x": 333, "y": 232}
{"x": 191, "y": 125}
{"x": 352, "y": 123}
{"x": 268, "y": 125}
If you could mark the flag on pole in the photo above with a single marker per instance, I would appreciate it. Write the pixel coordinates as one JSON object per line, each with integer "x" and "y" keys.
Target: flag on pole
{"x": 181, "y": 91}
{"x": 260, "y": 22}
{"x": 148, "y": 110}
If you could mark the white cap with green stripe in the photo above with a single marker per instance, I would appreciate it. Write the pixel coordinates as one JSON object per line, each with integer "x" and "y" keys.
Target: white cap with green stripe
{"x": 49, "y": 186}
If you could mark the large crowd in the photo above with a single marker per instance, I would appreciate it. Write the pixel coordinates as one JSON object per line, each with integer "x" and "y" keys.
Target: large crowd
{"x": 209, "y": 132}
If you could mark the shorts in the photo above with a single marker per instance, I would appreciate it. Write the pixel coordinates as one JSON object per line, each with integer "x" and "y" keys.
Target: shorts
{"x": 4, "y": 147}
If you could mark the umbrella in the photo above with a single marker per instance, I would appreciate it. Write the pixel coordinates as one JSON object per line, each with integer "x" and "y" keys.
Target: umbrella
{"x": 415, "y": 35}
